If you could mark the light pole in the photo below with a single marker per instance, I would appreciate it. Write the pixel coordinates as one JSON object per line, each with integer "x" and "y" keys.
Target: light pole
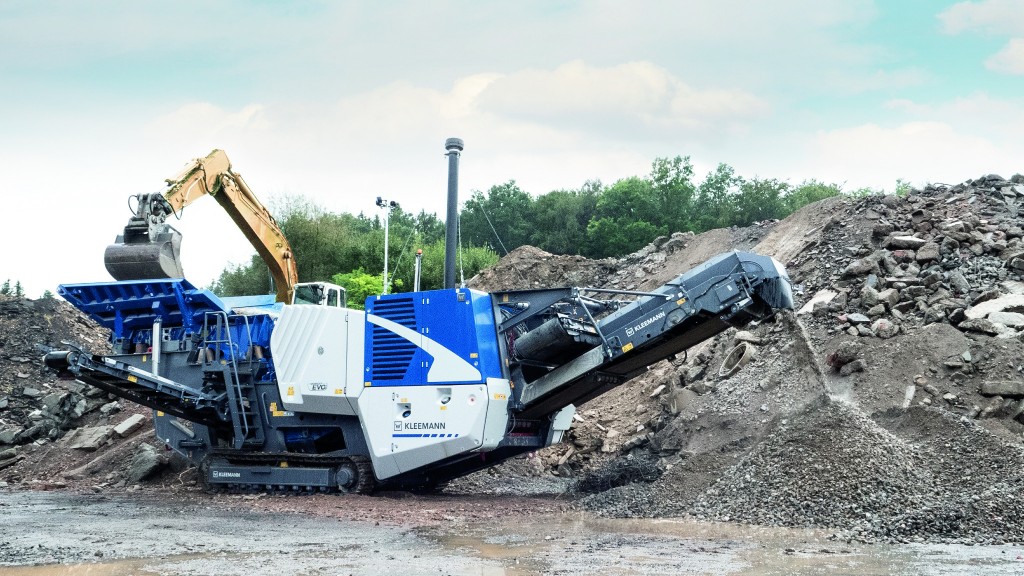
{"x": 387, "y": 206}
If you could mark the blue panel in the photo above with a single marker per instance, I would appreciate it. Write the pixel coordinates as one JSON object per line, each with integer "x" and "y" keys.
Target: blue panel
{"x": 460, "y": 320}
{"x": 129, "y": 308}
{"x": 133, "y": 304}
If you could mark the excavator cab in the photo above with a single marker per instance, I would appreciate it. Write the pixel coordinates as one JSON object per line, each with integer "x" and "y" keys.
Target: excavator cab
{"x": 320, "y": 294}
{"x": 149, "y": 247}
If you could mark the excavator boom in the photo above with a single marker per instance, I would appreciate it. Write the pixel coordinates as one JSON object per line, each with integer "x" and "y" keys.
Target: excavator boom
{"x": 150, "y": 248}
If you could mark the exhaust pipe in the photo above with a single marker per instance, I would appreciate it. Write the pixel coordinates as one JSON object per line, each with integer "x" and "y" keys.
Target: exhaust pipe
{"x": 454, "y": 147}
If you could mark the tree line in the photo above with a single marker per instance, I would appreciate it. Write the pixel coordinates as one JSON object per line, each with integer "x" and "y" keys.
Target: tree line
{"x": 594, "y": 220}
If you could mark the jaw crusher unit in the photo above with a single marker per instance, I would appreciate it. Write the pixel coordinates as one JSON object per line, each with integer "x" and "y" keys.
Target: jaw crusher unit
{"x": 419, "y": 388}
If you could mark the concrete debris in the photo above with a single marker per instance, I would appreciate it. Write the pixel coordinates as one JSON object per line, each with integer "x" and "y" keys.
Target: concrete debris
{"x": 89, "y": 439}
{"x": 129, "y": 425}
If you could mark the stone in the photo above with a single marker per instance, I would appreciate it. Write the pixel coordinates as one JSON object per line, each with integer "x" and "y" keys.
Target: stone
{"x": 983, "y": 308}
{"x": 31, "y": 392}
{"x": 52, "y": 401}
{"x": 147, "y": 461}
{"x": 7, "y": 435}
{"x": 8, "y": 454}
{"x": 889, "y": 297}
{"x": 949, "y": 397}
{"x": 905, "y": 242}
{"x": 980, "y": 325}
{"x": 110, "y": 408}
{"x": 136, "y": 421}
{"x": 928, "y": 252}
{"x": 819, "y": 296}
{"x": 90, "y": 439}
{"x": 861, "y": 267}
{"x": 885, "y": 328}
{"x": 857, "y": 365}
{"x": 701, "y": 387}
{"x": 693, "y": 374}
{"x": 746, "y": 336}
{"x": 4, "y": 402}
{"x": 876, "y": 310}
{"x": 1012, "y": 388}
{"x": 858, "y": 319}
{"x": 868, "y": 296}
{"x": 680, "y": 399}
{"x": 1011, "y": 319}
{"x": 847, "y": 352}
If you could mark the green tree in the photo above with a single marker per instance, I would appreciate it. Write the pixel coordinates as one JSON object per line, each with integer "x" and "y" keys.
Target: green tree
{"x": 714, "y": 198}
{"x": 758, "y": 199}
{"x": 358, "y": 286}
{"x": 18, "y": 291}
{"x": 561, "y": 218}
{"x": 672, "y": 183}
{"x": 808, "y": 192}
{"x": 5, "y": 289}
{"x": 502, "y": 217}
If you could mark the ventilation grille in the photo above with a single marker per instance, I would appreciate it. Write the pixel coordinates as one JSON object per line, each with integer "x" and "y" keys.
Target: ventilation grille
{"x": 392, "y": 354}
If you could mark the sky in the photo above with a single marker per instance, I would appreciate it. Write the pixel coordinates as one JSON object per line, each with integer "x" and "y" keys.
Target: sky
{"x": 341, "y": 102}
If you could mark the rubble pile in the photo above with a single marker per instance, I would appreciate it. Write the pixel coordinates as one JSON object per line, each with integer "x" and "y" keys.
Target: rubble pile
{"x": 888, "y": 408}
{"x": 56, "y": 432}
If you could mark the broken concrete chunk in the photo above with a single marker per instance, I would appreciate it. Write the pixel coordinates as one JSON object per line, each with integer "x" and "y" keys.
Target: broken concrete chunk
{"x": 857, "y": 319}
{"x": 983, "y": 308}
{"x": 1012, "y": 388}
{"x": 980, "y": 325}
{"x": 885, "y": 328}
{"x": 90, "y": 439}
{"x": 928, "y": 252}
{"x": 134, "y": 422}
{"x": 905, "y": 242}
{"x": 746, "y": 336}
{"x": 1011, "y": 319}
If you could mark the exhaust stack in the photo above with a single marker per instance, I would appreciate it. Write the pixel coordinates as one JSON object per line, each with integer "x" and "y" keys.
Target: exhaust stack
{"x": 454, "y": 147}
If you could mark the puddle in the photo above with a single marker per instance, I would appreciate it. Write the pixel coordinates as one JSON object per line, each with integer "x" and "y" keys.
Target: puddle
{"x": 576, "y": 544}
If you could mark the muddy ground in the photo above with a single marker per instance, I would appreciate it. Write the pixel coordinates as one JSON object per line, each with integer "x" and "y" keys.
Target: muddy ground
{"x": 147, "y": 533}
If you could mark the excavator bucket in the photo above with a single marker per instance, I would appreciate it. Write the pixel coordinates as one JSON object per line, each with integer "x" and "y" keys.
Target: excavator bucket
{"x": 145, "y": 256}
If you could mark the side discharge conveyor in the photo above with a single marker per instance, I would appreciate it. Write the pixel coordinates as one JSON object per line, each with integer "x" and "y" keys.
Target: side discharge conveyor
{"x": 419, "y": 388}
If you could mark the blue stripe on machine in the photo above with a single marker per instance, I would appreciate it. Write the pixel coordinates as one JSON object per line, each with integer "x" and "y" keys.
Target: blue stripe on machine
{"x": 424, "y": 435}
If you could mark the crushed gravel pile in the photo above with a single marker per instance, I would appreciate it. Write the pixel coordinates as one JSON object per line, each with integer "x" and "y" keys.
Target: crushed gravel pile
{"x": 831, "y": 466}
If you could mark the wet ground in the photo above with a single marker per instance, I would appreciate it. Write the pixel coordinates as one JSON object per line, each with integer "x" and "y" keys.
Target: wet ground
{"x": 48, "y": 533}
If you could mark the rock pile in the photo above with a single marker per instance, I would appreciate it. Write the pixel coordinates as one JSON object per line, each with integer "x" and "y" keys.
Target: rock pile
{"x": 885, "y": 410}
{"x": 50, "y": 427}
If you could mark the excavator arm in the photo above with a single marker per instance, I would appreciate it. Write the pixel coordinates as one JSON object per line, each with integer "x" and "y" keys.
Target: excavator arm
{"x": 149, "y": 248}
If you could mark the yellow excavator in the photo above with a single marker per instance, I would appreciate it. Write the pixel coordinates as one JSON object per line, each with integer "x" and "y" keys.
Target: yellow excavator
{"x": 150, "y": 248}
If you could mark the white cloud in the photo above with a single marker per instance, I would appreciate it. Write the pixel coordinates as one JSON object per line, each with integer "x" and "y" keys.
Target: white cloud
{"x": 924, "y": 151}
{"x": 639, "y": 95}
{"x": 1009, "y": 60}
{"x": 995, "y": 17}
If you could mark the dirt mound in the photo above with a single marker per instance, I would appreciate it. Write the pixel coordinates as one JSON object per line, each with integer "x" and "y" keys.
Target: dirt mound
{"x": 527, "y": 267}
